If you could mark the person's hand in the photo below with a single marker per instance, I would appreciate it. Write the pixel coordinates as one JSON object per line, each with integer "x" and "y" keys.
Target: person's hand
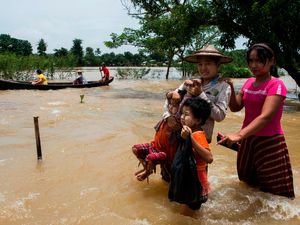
{"x": 228, "y": 80}
{"x": 185, "y": 131}
{"x": 173, "y": 95}
{"x": 229, "y": 139}
{"x": 176, "y": 96}
{"x": 173, "y": 123}
{"x": 197, "y": 82}
{"x": 169, "y": 94}
{"x": 188, "y": 83}
{"x": 194, "y": 87}
{"x": 173, "y": 108}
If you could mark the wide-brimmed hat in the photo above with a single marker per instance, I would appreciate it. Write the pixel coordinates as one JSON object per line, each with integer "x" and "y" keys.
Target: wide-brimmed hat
{"x": 208, "y": 50}
{"x": 79, "y": 71}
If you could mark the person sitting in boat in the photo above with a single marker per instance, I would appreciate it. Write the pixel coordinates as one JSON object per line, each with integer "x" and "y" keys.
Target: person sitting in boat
{"x": 80, "y": 79}
{"x": 104, "y": 72}
{"x": 41, "y": 78}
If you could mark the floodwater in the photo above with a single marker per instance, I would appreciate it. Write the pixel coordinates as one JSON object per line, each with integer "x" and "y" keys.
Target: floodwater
{"x": 86, "y": 175}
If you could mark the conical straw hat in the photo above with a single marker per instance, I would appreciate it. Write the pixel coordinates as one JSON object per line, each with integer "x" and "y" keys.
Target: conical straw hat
{"x": 208, "y": 50}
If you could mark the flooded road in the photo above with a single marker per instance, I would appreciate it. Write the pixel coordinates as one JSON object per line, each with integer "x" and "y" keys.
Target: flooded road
{"x": 86, "y": 175}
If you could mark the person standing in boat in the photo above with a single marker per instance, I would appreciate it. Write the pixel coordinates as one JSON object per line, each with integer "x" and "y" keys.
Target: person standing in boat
{"x": 80, "y": 79}
{"x": 263, "y": 158}
{"x": 41, "y": 78}
{"x": 104, "y": 72}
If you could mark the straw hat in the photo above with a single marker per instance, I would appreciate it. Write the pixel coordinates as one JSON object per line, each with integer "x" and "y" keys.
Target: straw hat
{"x": 79, "y": 71}
{"x": 208, "y": 50}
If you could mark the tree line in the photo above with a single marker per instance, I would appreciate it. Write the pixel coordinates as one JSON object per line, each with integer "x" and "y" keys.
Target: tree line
{"x": 176, "y": 28}
{"x": 75, "y": 56}
{"x": 18, "y": 61}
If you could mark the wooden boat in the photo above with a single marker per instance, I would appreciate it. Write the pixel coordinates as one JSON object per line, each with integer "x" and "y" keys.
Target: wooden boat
{"x": 11, "y": 84}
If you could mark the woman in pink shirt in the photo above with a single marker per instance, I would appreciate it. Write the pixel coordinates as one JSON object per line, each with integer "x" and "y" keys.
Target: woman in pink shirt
{"x": 263, "y": 158}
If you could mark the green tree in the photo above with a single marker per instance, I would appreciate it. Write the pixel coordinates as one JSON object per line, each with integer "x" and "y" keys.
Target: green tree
{"x": 167, "y": 28}
{"x": 89, "y": 58}
{"x": 108, "y": 58}
{"x": 77, "y": 51}
{"x": 22, "y": 47}
{"x": 13, "y": 45}
{"x": 5, "y": 43}
{"x": 41, "y": 47}
{"x": 276, "y": 22}
{"x": 97, "y": 52}
{"x": 61, "y": 52}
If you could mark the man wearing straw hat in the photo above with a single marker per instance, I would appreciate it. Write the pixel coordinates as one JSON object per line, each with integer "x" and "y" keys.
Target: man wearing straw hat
{"x": 80, "y": 79}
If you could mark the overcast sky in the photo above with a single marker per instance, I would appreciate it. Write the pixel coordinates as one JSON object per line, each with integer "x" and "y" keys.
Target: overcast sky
{"x": 59, "y": 22}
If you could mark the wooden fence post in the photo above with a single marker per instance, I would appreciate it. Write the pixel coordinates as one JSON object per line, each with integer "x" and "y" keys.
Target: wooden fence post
{"x": 37, "y": 137}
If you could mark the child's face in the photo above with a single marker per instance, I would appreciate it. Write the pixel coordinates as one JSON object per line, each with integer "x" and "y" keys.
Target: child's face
{"x": 188, "y": 119}
{"x": 208, "y": 68}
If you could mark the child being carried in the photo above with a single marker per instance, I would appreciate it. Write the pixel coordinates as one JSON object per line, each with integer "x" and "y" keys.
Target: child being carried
{"x": 162, "y": 149}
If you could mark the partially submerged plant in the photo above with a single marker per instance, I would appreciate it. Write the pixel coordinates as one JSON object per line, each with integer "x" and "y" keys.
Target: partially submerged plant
{"x": 81, "y": 98}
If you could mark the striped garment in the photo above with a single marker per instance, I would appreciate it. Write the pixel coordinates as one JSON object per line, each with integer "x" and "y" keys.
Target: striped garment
{"x": 148, "y": 152}
{"x": 264, "y": 162}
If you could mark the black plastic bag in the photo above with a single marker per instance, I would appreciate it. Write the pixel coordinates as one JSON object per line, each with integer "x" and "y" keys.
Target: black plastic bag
{"x": 185, "y": 187}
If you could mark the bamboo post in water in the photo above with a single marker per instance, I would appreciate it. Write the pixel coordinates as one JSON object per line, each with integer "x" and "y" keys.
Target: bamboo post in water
{"x": 37, "y": 137}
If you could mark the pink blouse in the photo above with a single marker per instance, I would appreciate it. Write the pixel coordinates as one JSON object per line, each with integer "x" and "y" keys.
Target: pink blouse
{"x": 254, "y": 98}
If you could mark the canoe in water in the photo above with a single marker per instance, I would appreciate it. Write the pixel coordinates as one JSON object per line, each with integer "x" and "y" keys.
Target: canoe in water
{"x": 11, "y": 84}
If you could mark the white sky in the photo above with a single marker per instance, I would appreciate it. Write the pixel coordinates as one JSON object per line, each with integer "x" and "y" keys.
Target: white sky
{"x": 59, "y": 22}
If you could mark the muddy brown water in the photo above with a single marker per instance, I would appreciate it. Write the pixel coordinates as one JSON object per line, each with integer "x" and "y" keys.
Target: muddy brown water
{"x": 86, "y": 175}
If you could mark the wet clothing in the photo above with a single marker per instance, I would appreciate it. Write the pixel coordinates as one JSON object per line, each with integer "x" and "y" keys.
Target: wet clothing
{"x": 254, "y": 98}
{"x": 264, "y": 161}
{"x": 217, "y": 94}
{"x": 199, "y": 137}
{"x": 161, "y": 150}
{"x": 263, "y": 158}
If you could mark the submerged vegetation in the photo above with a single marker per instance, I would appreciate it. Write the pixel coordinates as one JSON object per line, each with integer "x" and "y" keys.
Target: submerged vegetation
{"x": 13, "y": 66}
{"x": 132, "y": 73}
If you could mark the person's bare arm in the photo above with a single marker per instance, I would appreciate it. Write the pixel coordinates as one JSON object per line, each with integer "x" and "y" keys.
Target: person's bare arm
{"x": 204, "y": 153}
{"x": 236, "y": 100}
{"x": 270, "y": 107}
